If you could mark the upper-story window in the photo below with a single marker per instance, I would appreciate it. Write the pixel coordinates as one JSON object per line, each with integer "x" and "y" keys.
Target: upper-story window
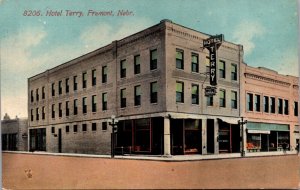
{"x": 37, "y": 114}
{"x": 53, "y": 89}
{"x": 123, "y": 98}
{"x": 257, "y": 102}
{"x": 179, "y": 92}
{"x": 153, "y": 92}
{"x": 222, "y": 98}
{"x": 43, "y": 92}
{"x": 286, "y": 107}
{"x": 295, "y": 108}
{"x": 272, "y": 105}
{"x": 233, "y": 72}
{"x": 153, "y": 59}
{"x": 233, "y": 99}
{"x": 249, "y": 102}
{"x": 59, "y": 110}
{"x": 207, "y": 64}
{"x": 104, "y": 74}
{"x": 104, "y": 101}
{"x": 60, "y": 87}
{"x": 209, "y": 100}
{"x": 123, "y": 68}
{"x": 222, "y": 69}
{"x": 195, "y": 62}
{"x": 84, "y": 127}
{"x": 31, "y": 114}
{"x": 31, "y": 95}
{"x": 84, "y": 105}
{"x": 137, "y": 95}
{"x": 67, "y": 85}
{"x": 67, "y": 108}
{"x": 266, "y": 104}
{"x": 94, "y": 103}
{"x": 195, "y": 94}
{"x": 84, "y": 80}
{"x": 280, "y": 106}
{"x": 43, "y": 112}
{"x": 75, "y": 83}
{"x": 37, "y": 94}
{"x": 94, "y": 78}
{"x": 137, "y": 64}
{"x": 94, "y": 126}
{"x": 75, "y": 111}
{"x": 179, "y": 59}
{"x": 53, "y": 111}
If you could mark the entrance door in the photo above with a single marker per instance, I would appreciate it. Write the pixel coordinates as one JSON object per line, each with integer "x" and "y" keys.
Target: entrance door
{"x": 59, "y": 141}
{"x": 210, "y": 136}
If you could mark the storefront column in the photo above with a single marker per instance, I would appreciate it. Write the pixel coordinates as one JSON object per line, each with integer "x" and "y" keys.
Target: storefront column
{"x": 216, "y": 130}
{"x": 244, "y": 138}
{"x": 204, "y": 136}
{"x": 167, "y": 139}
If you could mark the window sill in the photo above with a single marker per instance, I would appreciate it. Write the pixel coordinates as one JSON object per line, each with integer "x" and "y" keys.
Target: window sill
{"x": 154, "y": 103}
{"x": 153, "y": 70}
{"x": 138, "y": 106}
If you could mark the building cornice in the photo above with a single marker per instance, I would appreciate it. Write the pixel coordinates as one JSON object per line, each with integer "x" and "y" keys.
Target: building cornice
{"x": 267, "y": 79}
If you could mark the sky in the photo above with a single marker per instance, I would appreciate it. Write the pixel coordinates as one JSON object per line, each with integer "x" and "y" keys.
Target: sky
{"x": 32, "y": 41}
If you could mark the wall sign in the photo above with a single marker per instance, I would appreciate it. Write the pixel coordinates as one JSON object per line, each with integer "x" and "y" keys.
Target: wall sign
{"x": 212, "y": 44}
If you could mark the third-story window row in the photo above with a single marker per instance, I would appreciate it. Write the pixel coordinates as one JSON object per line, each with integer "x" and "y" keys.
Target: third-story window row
{"x": 271, "y": 104}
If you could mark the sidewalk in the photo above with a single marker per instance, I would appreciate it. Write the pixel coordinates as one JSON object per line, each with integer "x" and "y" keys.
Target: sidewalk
{"x": 190, "y": 157}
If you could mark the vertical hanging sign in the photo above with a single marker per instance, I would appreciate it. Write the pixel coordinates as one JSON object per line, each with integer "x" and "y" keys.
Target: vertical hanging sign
{"x": 212, "y": 44}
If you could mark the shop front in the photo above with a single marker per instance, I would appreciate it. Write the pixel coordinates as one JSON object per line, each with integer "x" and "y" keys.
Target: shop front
{"x": 140, "y": 136}
{"x": 37, "y": 140}
{"x": 267, "y": 137}
{"x": 229, "y": 136}
{"x": 186, "y": 136}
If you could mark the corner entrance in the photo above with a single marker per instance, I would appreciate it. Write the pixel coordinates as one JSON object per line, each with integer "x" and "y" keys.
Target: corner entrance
{"x": 186, "y": 136}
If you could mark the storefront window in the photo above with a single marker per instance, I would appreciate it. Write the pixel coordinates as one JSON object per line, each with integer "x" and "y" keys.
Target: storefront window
{"x": 142, "y": 135}
{"x": 253, "y": 142}
{"x": 192, "y": 136}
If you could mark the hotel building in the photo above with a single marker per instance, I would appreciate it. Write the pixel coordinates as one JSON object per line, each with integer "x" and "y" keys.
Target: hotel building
{"x": 153, "y": 82}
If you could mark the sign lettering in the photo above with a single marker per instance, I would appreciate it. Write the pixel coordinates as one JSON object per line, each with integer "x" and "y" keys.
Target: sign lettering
{"x": 212, "y": 44}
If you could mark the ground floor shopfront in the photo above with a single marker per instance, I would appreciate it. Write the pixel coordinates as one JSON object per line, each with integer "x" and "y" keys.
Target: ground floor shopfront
{"x": 178, "y": 135}
{"x": 160, "y": 134}
{"x": 265, "y": 137}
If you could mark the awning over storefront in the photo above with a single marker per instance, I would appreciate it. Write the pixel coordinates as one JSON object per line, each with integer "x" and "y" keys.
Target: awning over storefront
{"x": 258, "y": 131}
{"x": 229, "y": 120}
{"x": 267, "y": 126}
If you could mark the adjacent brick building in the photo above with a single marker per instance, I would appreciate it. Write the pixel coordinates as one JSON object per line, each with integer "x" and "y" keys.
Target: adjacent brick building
{"x": 14, "y": 134}
{"x": 271, "y": 107}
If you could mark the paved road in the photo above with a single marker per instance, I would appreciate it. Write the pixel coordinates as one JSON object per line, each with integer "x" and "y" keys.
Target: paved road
{"x": 60, "y": 172}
